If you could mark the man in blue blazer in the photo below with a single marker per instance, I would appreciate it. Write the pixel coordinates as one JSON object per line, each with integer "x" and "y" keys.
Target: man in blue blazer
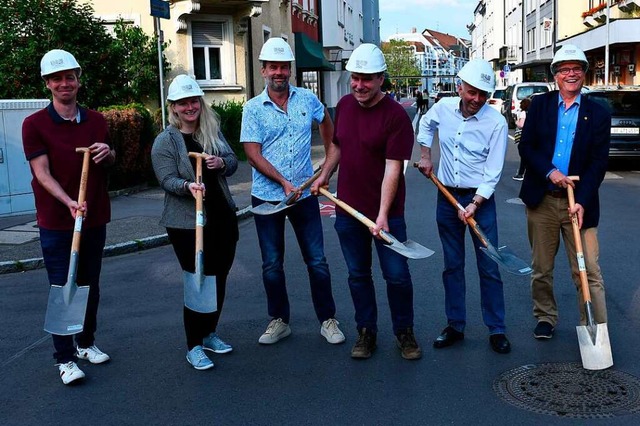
{"x": 565, "y": 134}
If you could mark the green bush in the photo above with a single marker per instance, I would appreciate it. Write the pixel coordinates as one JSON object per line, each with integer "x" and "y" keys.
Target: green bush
{"x": 132, "y": 133}
{"x": 230, "y": 113}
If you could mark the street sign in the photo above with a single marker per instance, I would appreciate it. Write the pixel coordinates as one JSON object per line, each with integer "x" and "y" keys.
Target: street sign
{"x": 501, "y": 74}
{"x": 506, "y": 68}
{"x": 160, "y": 9}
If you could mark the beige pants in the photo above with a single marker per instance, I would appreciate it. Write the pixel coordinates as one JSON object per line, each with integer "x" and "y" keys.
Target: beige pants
{"x": 545, "y": 224}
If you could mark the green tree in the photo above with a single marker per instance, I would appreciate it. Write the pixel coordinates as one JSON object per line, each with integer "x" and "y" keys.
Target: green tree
{"x": 401, "y": 61}
{"x": 113, "y": 70}
{"x": 138, "y": 55}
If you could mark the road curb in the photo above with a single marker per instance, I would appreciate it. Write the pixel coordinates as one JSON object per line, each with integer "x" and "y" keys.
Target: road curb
{"x": 13, "y": 266}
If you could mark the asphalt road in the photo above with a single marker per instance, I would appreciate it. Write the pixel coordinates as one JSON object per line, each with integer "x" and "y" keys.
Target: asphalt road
{"x": 303, "y": 380}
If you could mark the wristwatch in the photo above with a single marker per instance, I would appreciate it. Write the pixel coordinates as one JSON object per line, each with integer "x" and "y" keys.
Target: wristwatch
{"x": 475, "y": 203}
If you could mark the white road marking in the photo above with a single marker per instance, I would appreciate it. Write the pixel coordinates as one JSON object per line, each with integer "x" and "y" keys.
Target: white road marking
{"x": 25, "y": 350}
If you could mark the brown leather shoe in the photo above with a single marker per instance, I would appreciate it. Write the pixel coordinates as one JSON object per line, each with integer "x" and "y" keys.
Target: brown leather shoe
{"x": 365, "y": 345}
{"x": 409, "y": 348}
{"x": 448, "y": 337}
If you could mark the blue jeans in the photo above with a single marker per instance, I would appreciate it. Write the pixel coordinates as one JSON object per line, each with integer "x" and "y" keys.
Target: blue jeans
{"x": 355, "y": 240}
{"x": 307, "y": 225}
{"x": 56, "y": 252}
{"x": 452, "y": 230}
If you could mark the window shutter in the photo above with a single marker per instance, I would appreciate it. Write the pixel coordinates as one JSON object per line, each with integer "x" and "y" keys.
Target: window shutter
{"x": 207, "y": 33}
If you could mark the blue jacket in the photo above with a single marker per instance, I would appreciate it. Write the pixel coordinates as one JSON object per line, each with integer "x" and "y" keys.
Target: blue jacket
{"x": 589, "y": 154}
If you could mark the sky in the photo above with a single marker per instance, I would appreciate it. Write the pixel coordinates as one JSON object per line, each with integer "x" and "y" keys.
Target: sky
{"x": 446, "y": 16}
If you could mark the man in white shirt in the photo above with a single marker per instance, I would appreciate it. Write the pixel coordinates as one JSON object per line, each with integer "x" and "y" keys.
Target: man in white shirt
{"x": 473, "y": 143}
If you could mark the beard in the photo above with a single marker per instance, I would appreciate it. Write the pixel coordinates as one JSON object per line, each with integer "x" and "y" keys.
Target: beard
{"x": 276, "y": 86}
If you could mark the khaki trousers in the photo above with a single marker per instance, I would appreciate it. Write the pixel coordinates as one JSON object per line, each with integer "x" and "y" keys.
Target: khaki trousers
{"x": 545, "y": 224}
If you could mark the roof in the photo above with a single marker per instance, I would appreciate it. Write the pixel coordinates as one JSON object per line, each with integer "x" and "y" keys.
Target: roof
{"x": 446, "y": 41}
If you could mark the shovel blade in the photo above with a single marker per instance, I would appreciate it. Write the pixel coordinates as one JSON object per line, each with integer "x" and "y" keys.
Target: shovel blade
{"x": 409, "y": 249}
{"x": 200, "y": 292}
{"x": 268, "y": 208}
{"x": 507, "y": 259}
{"x": 595, "y": 348}
{"x": 66, "y": 309}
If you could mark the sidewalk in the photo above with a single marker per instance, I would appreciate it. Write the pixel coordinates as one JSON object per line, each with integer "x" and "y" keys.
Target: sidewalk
{"x": 134, "y": 221}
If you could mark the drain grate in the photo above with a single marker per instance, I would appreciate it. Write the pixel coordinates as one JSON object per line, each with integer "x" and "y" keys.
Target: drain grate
{"x": 568, "y": 390}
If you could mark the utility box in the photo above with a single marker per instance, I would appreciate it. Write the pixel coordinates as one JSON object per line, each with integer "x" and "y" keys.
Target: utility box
{"x": 16, "y": 195}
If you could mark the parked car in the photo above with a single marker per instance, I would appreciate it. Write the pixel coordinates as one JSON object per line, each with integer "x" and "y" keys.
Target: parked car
{"x": 624, "y": 106}
{"x": 517, "y": 92}
{"x": 441, "y": 95}
{"x": 495, "y": 101}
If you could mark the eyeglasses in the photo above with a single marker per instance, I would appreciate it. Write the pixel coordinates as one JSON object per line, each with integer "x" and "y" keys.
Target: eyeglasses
{"x": 566, "y": 71}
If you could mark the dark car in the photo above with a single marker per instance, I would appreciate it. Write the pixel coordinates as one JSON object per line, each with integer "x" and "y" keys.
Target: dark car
{"x": 624, "y": 106}
{"x": 441, "y": 95}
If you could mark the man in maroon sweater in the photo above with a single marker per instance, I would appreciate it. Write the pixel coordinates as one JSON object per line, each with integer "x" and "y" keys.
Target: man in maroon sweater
{"x": 50, "y": 137}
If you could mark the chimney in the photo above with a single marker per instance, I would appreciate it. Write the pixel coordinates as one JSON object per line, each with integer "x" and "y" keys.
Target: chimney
{"x": 413, "y": 30}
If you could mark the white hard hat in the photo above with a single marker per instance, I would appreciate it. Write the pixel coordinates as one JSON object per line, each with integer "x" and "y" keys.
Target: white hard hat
{"x": 182, "y": 87}
{"x": 58, "y": 60}
{"x": 276, "y": 49}
{"x": 366, "y": 59}
{"x": 568, "y": 53}
{"x": 479, "y": 74}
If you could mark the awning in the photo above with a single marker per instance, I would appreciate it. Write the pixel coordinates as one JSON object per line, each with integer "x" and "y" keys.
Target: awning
{"x": 309, "y": 55}
{"x": 531, "y": 64}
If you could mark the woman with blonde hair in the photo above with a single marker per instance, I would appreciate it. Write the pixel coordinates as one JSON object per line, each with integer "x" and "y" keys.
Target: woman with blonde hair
{"x": 195, "y": 127}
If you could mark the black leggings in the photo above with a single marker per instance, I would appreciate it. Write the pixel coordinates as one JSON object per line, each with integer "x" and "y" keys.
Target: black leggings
{"x": 218, "y": 258}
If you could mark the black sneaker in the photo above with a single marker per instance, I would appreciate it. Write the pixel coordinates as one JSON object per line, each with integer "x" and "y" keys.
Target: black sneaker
{"x": 365, "y": 345}
{"x": 409, "y": 348}
{"x": 544, "y": 330}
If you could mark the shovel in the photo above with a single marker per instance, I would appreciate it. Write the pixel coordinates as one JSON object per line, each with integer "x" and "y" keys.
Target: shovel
{"x": 68, "y": 303}
{"x": 409, "y": 249}
{"x": 595, "y": 348}
{"x": 503, "y": 256}
{"x": 268, "y": 208}
{"x": 199, "y": 289}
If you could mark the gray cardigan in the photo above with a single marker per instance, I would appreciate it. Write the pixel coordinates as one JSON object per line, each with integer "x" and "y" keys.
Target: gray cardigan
{"x": 172, "y": 167}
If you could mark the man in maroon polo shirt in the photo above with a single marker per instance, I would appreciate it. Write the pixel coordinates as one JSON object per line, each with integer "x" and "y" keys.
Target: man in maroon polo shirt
{"x": 50, "y": 137}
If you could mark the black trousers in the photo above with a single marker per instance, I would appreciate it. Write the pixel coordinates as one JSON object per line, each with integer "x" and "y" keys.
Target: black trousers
{"x": 219, "y": 251}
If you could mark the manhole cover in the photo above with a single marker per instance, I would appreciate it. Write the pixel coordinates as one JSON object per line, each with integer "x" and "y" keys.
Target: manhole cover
{"x": 568, "y": 390}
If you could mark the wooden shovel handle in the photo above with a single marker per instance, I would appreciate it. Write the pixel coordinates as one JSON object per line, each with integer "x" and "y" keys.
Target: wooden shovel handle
{"x": 470, "y": 220}
{"x": 584, "y": 282}
{"x": 82, "y": 196}
{"x": 199, "y": 209}
{"x": 353, "y": 212}
{"x": 307, "y": 183}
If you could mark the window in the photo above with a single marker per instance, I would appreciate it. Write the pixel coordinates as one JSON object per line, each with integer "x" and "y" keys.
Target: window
{"x": 266, "y": 33}
{"x": 212, "y": 52}
{"x": 531, "y": 40}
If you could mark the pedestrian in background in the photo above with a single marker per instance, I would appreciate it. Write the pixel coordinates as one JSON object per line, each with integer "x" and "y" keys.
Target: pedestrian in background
{"x": 50, "y": 137}
{"x": 522, "y": 116}
{"x": 373, "y": 137}
{"x": 473, "y": 144}
{"x": 276, "y": 133}
{"x": 565, "y": 134}
{"x": 195, "y": 127}
{"x": 419, "y": 101}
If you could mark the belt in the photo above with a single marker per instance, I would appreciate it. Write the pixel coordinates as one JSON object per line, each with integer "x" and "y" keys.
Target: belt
{"x": 461, "y": 191}
{"x": 557, "y": 193}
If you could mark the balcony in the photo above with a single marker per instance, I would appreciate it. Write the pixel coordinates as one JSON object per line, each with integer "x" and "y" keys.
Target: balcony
{"x": 628, "y": 6}
{"x": 589, "y": 21}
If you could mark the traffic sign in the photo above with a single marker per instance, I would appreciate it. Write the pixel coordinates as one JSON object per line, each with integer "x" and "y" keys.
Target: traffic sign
{"x": 506, "y": 68}
{"x": 160, "y": 9}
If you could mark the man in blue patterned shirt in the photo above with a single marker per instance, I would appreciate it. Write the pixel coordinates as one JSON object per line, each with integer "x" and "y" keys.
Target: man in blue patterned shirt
{"x": 276, "y": 133}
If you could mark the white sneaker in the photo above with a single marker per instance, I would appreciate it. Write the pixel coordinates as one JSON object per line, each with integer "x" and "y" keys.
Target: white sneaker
{"x": 92, "y": 354}
{"x": 70, "y": 372}
{"x": 276, "y": 331}
{"x": 331, "y": 332}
